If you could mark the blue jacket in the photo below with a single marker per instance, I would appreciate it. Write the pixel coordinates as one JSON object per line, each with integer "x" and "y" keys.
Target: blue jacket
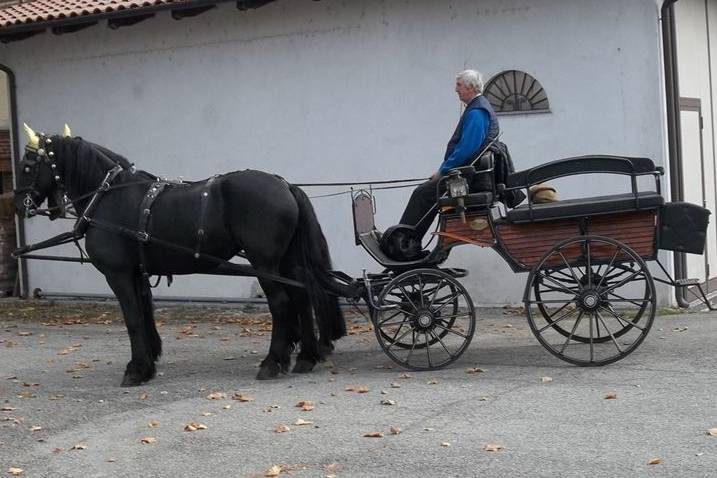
{"x": 477, "y": 127}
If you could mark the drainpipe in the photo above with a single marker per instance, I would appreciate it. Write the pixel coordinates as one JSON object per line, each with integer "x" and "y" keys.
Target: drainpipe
{"x": 14, "y": 148}
{"x": 674, "y": 141}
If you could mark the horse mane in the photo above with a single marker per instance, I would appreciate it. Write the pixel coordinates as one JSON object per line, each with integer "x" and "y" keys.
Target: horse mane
{"x": 91, "y": 161}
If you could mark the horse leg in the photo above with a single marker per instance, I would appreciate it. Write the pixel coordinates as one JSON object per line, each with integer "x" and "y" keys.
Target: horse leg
{"x": 127, "y": 288}
{"x": 279, "y": 357}
{"x": 155, "y": 341}
{"x": 309, "y": 354}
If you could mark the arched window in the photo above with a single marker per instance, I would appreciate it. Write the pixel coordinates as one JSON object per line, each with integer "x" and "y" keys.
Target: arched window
{"x": 514, "y": 92}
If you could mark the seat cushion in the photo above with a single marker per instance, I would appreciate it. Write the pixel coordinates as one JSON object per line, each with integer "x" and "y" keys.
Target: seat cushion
{"x": 586, "y": 207}
{"x": 471, "y": 200}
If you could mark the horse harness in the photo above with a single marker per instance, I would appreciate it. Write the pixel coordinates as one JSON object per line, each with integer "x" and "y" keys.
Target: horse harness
{"x": 145, "y": 212}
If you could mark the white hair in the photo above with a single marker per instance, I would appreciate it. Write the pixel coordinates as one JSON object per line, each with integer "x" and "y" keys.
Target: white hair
{"x": 472, "y": 78}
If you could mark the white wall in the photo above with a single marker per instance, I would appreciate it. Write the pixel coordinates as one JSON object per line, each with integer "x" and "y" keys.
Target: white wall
{"x": 335, "y": 90}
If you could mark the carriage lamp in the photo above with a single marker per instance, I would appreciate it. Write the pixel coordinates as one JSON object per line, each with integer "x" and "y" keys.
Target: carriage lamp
{"x": 457, "y": 187}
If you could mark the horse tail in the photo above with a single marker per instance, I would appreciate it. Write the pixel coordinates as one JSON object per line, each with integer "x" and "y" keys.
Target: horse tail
{"x": 321, "y": 288}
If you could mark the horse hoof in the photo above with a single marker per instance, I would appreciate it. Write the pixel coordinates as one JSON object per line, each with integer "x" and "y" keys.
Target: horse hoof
{"x": 268, "y": 371}
{"x": 326, "y": 349}
{"x": 303, "y": 366}
{"x": 131, "y": 381}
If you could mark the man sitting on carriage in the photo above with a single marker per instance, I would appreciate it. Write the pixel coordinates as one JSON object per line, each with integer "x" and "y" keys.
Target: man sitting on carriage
{"x": 476, "y": 129}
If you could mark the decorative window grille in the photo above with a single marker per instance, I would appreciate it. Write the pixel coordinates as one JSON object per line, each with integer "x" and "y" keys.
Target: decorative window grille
{"x": 515, "y": 92}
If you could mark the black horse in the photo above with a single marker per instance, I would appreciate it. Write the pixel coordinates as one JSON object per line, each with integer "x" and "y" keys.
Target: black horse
{"x": 252, "y": 213}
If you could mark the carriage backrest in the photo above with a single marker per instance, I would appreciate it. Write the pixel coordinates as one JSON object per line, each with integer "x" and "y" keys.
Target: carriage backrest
{"x": 581, "y": 165}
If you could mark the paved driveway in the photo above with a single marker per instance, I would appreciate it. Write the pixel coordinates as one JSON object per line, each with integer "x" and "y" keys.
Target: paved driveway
{"x": 60, "y": 369}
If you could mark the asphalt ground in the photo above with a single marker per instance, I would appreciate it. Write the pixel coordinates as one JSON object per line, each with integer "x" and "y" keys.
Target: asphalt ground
{"x": 520, "y": 412}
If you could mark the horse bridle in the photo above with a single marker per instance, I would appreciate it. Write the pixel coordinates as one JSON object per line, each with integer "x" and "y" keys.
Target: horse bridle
{"x": 43, "y": 155}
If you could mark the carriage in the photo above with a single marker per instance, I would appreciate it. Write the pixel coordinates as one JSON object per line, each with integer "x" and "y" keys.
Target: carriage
{"x": 589, "y": 296}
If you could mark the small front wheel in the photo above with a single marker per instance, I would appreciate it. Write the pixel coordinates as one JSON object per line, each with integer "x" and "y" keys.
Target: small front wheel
{"x": 425, "y": 320}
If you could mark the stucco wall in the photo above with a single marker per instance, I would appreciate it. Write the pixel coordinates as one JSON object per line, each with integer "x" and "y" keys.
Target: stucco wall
{"x": 336, "y": 90}
{"x": 4, "y": 102}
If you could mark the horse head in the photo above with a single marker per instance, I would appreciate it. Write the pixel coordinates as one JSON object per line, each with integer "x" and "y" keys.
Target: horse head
{"x": 38, "y": 177}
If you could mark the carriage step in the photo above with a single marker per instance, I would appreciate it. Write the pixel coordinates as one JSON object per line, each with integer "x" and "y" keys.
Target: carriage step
{"x": 686, "y": 282}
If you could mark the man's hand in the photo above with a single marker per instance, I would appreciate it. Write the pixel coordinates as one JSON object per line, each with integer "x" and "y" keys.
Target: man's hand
{"x": 436, "y": 175}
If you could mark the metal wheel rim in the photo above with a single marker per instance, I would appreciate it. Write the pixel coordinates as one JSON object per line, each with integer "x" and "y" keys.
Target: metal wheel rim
{"x": 437, "y": 351}
{"x": 637, "y": 327}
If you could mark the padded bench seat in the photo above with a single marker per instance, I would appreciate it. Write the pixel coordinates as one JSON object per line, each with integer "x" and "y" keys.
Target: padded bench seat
{"x": 586, "y": 207}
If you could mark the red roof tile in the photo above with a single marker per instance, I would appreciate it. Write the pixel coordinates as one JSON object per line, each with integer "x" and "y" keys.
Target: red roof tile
{"x": 37, "y": 12}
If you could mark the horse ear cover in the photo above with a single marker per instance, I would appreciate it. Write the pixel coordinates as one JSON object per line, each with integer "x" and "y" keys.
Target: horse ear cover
{"x": 67, "y": 133}
{"x": 33, "y": 141}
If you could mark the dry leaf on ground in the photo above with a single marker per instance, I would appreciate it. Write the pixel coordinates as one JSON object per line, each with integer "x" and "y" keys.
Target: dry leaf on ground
{"x": 301, "y": 421}
{"x": 611, "y": 396}
{"x": 275, "y": 470}
{"x": 655, "y": 461}
{"x": 712, "y": 432}
{"x": 445, "y": 444}
{"x": 474, "y": 370}
{"x": 15, "y": 471}
{"x": 148, "y": 440}
{"x": 373, "y": 435}
{"x": 395, "y": 430}
{"x": 143, "y": 396}
{"x": 546, "y": 379}
{"x": 194, "y": 426}
{"x": 493, "y": 447}
{"x": 388, "y": 402}
{"x": 217, "y": 396}
{"x": 35, "y": 428}
{"x": 282, "y": 429}
{"x": 405, "y": 376}
{"x": 242, "y": 398}
{"x": 395, "y": 385}
{"x": 153, "y": 424}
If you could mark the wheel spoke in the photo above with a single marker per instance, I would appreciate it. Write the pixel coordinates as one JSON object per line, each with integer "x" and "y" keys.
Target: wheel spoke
{"x": 428, "y": 350}
{"x": 438, "y": 338}
{"x": 563, "y": 317}
{"x": 572, "y": 272}
{"x": 452, "y": 331}
{"x": 607, "y": 269}
{"x": 453, "y": 297}
{"x": 592, "y": 348}
{"x": 624, "y": 281}
{"x": 627, "y": 323}
{"x": 407, "y": 296}
{"x": 550, "y": 288}
{"x": 402, "y": 336}
{"x": 413, "y": 346}
{"x": 560, "y": 286}
{"x": 389, "y": 318}
{"x": 609, "y": 332}
{"x": 572, "y": 332}
{"x": 420, "y": 289}
{"x": 552, "y": 301}
{"x": 589, "y": 269}
{"x": 391, "y": 324}
{"x": 435, "y": 292}
{"x": 455, "y": 316}
{"x": 637, "y": 302}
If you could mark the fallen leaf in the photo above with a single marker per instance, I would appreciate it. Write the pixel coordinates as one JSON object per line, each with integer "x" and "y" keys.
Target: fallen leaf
{"x": 373, "y": 435}
{"x": 546, "y": 379}
{"x": 207, "y": 414}
{"x": 433, "y": 381}
{"x": 395, "y": 430}
{"x": 110, "y": 460}
{"x": 301, "y": 421}
{"x": 405, "y": 376}
{"x": 493, "y": 447}
{"x": 218, "y": 396}
{"x": 194, "y": 426}
{"x": 388, "y": 402}
{"x": 148, "y": 440}
{"x": 611, "y": 396}
{"x": 143, "y": 396}
{"x": 474, "y": 370}
{"x": 445, "y": 444}
{"x": 395, "y": 385}
{"x": 282, "y": 429}
{"x": 24, "y": 334}
{"x": 153, "y": 424}
{"x": 57, "y": 450}
{"x": 655, "y": 461}
{"x": 304, "y": 403}
{"x": 15, "y": 471}
{"x": 241, "y": 398}
{"x": 712, "y": 432}
{"x": 227, "y": 407}
{"x": 275, "y": 470}
{"x": 7, "y": 408}
{"x": 79, "y": 446}
{"x": 35, "y": 428}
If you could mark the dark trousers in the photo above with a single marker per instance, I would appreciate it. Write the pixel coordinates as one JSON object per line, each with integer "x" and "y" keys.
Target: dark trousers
{"x": 421, "y": 208}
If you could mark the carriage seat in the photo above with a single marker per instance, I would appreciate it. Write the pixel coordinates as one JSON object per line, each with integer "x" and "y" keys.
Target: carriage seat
{"x": 570, "y": 208}
{"x": 481, "y": 180}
